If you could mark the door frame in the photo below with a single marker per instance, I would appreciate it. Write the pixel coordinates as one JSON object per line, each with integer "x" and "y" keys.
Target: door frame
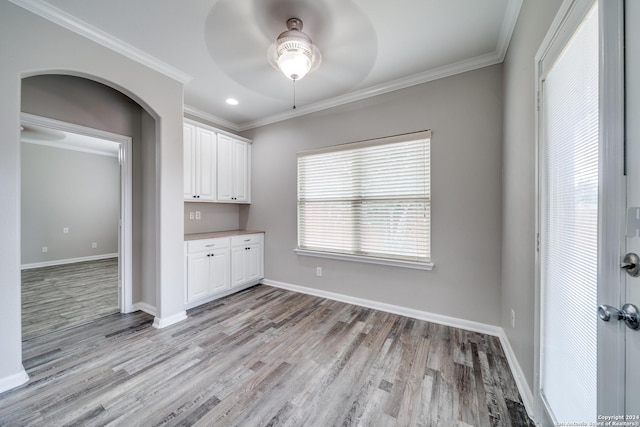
{"x": 125, "y": 235}
{"x": 612, "y": 190}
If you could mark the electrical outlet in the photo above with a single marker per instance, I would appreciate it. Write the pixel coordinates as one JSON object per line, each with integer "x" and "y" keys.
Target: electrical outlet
{"x": 65, "y": 230}
{"x": 513, "y": 318}
{"x": 198, "y": 216}
{"x": 191, "y": 215}
{"x": 45, "y": 249}
{"x": 94, "y": 245}
{"x": 319, "y": 271}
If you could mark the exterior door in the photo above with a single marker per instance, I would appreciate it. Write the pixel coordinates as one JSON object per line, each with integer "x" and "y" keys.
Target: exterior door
{"x": 580, "y": 374}
{"x": 631, "y": 291}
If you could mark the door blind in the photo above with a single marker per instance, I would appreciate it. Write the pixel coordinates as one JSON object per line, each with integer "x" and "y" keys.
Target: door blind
{"x": 569, "y": 228}
{"x": 367, "y": 199}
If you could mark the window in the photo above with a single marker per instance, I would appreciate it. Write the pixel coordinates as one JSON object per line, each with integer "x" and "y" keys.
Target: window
{"x": 368, "y": 201}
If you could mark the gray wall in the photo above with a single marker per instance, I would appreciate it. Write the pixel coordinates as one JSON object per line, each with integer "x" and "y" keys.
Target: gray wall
{"x": 518, "y": 232}
{"x": 73, "y": 189}
{"x": 145, "y": 219}
{"x": 214, "y": 217}
{"x": 30, "y": 45}
{"x": 464, "y": 113}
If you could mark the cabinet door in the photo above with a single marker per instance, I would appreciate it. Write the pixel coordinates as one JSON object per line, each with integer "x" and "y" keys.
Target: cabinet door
{"x": 233, "y": 169}
{"x": 205, "y": 164}
{"x": 198, "y": 285}
{"x": 238, "y": 266}
{"x": 220, "y": 278}
{"x": 240, "y": 259}
{"x": 225, "y": 168}
{"x": 241, "y": 172}
{"x": 189, "y": 168}
{"x": 253, "y": 262}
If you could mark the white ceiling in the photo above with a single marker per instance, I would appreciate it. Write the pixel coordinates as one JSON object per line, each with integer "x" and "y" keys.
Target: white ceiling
{"x": 218, "y": 48}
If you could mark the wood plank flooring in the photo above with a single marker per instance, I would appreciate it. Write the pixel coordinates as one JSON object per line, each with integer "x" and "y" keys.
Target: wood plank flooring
{"x": 265, "y": 357}
{"x": 64, "y": 296}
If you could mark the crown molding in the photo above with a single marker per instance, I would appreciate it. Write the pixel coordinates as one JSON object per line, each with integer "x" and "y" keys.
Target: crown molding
{"x": 211, "y": 118}
{"x": 71, "y": 23}
{"x": 508, "y": 26}
{"x": 63, "y": 146}
{"x": 46, "y": 122}
{"x": 413, "y": 80}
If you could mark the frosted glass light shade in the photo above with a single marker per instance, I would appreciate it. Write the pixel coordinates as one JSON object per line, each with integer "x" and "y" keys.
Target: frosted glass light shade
{"x": 294, "y": 64}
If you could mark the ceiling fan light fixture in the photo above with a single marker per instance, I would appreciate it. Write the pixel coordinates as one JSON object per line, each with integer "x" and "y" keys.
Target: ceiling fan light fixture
{"x": 295, "y": 53}
{"x": 294, "y": 65}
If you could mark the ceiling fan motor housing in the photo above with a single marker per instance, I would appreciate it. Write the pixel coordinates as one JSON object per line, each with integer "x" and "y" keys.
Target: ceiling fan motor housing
{"x": 294, "y": 50}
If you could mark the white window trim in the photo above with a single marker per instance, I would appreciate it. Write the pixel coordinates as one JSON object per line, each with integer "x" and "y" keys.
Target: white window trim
{"x": 367, "y": 259}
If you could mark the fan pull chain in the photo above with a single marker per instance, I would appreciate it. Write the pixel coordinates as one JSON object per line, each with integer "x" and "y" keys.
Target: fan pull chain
{"x": 294, "y": 94}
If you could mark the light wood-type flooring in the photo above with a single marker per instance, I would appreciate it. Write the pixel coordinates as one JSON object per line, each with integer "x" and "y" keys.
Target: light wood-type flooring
{"x": 265, "y": 357}
{"x": 63, "y": 296}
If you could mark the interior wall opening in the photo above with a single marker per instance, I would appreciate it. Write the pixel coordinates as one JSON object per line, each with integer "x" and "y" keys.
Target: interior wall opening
{"x": 70, "y": 214}
{"x": 95, "y": 107}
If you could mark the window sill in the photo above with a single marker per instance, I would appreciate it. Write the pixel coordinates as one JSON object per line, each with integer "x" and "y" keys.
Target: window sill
{"x": 369, "y": 260}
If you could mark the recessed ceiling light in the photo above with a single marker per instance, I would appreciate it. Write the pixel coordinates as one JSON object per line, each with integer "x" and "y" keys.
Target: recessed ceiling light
{"x": 232, "y": 101}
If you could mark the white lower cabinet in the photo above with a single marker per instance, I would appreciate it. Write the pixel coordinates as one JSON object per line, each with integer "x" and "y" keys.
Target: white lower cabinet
{"x": 207, "y": 268}
{"x": 247, "y": 255}
{"x": 221, "y": 266}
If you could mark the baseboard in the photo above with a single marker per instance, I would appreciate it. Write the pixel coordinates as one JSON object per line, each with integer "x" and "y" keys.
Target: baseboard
{"x": 390, "y": 308}
{"x": 163, "y": 322}
{"x": 67, "y": 261}
{"x": 518, "y": 374}
{"x": 223, "y": 294}
{"x": 496, "y": 331}
{"x": 13, "y": 381}
{"x": 143, "y": 306}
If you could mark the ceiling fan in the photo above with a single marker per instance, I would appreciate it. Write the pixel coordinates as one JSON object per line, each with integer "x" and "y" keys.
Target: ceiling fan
{"x": 336, "y": 50}
{"x": 294, "y": 53}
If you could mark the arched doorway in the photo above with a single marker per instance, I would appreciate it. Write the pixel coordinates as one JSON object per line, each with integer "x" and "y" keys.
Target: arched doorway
{"x": 77, "y": 105}
{"x": 36, "y": 46}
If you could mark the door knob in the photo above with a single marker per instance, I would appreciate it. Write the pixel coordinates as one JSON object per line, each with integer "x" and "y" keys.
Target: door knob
{"x": 629, "y": 314}
{"x": 631, "y": 263}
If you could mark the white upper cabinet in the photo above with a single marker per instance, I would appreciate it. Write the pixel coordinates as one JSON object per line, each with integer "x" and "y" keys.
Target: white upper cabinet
{"x": 234, "y": 164}
{"x": 199, "y": 164}
{"x": 216, "y": 166}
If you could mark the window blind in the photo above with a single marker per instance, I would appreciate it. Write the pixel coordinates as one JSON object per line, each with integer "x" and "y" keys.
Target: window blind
{"x": 370, "y": 198}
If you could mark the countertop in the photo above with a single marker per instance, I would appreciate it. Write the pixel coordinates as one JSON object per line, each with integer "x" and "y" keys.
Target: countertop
{"x": 214, "y": 234}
